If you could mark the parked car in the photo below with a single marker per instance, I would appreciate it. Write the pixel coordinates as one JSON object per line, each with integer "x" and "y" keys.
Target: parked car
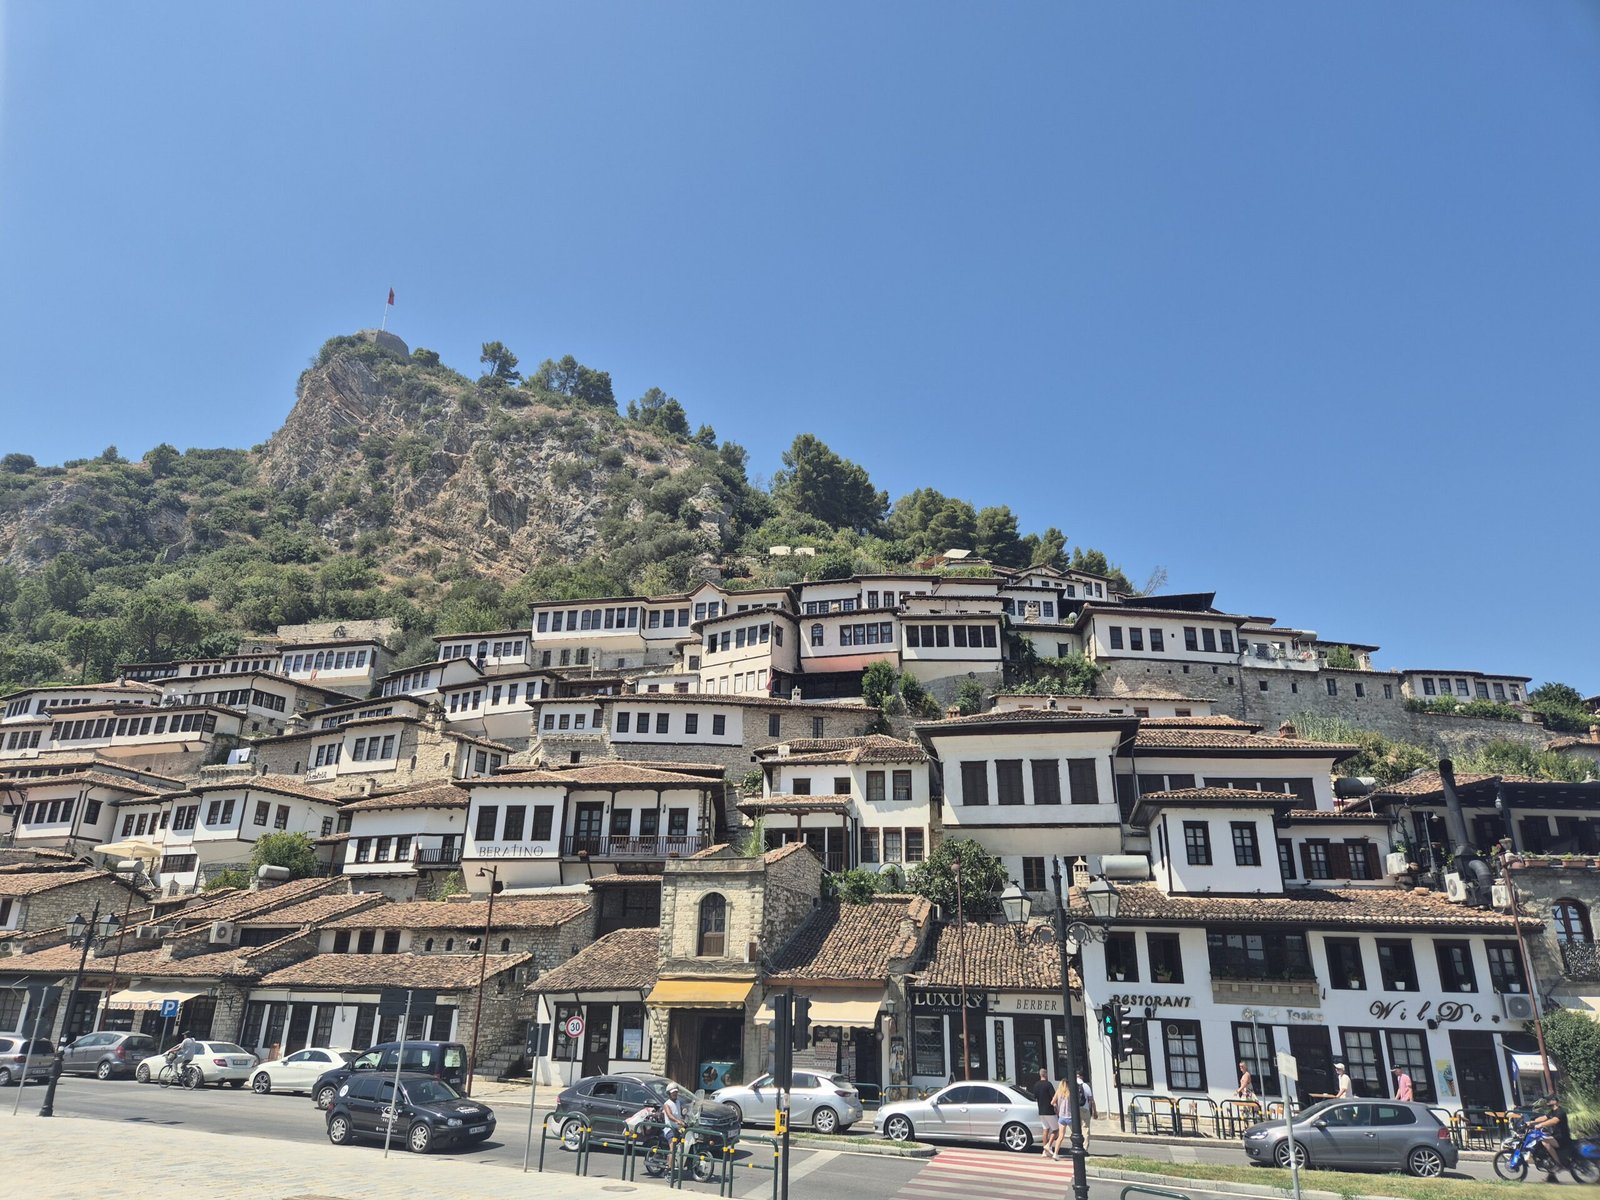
{"x": 217, "y": 1062}
{"x": 972, "y": 1112}
{"x": 299, "y": 1072}
{"x": 431, "y": 1113}
{"x": 107, "y": 1054}
{"x": 441, "y": 1060}
{"x": 1383, "y": 1135}
{"x": 18, "y": 1065}
{"x": 827, "y": 1103}
{"x": 609, "y": 1100}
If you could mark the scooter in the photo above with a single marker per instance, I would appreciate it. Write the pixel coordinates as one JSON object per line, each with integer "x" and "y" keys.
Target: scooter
{"x": 1528, "y": 1145}
{"x": 658, "y": 1154}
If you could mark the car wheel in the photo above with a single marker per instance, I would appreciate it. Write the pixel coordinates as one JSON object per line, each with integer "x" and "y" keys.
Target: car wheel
{"x": 1301, "y": 1158}
{"x": 1425, "y": 1163}
{"x": 1016, "y": 1136}
{"x": 324, "y": 1098}
{"x": 420, "y": 1139}
{"x": 261, "y": 1084}
{"x": 339, "y": 1129}
{"x": 738, "y": 1113}
{"x": 103, "y": 1071}
{"x": 571, "y": 1134}
{"x": 898, "y": 1129}
{"x": 825, "y": 1120}
{"x": 142, "y": 1073}
{"x": 5, "y": 1077}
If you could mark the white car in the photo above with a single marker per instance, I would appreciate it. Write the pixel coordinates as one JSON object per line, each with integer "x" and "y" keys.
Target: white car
{"x": 827, "y": 1103}
{"x": 217, "y": 1062}
{"x": 298, "y": 1072}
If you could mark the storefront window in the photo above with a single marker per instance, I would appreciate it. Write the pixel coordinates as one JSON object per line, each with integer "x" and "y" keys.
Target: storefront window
{"x": 1408, "y": 1050}
{"x": 1365, "y": 1061}
{"x": 630, "y": 1041}
{"x": 564, "y": 1046}
{"x": 1186, "y": 1068}
{"x": 1253, "y": 1046}
{"x": 927, "y": 1046}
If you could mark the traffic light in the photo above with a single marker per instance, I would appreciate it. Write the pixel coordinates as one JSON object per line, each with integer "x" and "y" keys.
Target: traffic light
{"x": 1108, "y": 1020}
{"x": 1127, "y": 1043}
{"x": 800, "y": 1023}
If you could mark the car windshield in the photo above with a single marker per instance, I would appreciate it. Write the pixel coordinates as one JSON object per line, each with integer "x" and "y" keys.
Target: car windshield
{"x": 226, "y": 1048}
{"x": 430, "y": 1091}
{"x": 1320, "y": 1107}
{"x": 349, "y": 1056}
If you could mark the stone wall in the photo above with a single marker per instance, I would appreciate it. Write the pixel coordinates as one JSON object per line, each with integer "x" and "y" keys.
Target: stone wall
{"x": 53, "y": 909}
{"x": 1540, "y": 883}
{"x": 1269, "y": 696}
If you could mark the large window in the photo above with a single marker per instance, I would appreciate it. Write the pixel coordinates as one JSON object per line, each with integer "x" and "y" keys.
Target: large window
{"x": 1346, "y": 971}
{"x": 1046, "y": 781}
{"x": 1083, "y": 781}
{"x": 1246, "y": 850}
{"x": 975, "y": 783}
{"x": 1197, "y": 843}
{"x": 1363, "y": 1056}
{"x": 713, "y": 926}
{"x": 1397, "y": 966}
{"x": 1408, "y": 1050}
{"x": 1571, "y": 921}
{"x": 1456, "y": 973}
{"x": 1186, "y": 1064}
{"x": 630, "y": 1039}
{"x": 1008, "y": 780}
{"x": 1505, "y": 967}
{"x": 1166, "y": 957}
{"x": 488, "y": 817}
{"x": 927, "y": 1046}
{"x": 1253, "y": 1046}
{"x": 1122, "y": 957}
{"x": 1279, "y": 954}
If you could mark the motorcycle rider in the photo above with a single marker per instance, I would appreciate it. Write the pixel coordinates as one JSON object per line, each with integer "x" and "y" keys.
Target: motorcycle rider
{"x": 1558, "y": 1136}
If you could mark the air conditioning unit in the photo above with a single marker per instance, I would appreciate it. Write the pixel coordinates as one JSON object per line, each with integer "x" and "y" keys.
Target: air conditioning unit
{"x": 1500, "y": 896}
{"x": 224, "y": 933}
{"x": 1455, "y": 889}
{"x": 1517, "y": 1007}
{"x": 783, "y": 749}
{"x": 1396, "y": 863}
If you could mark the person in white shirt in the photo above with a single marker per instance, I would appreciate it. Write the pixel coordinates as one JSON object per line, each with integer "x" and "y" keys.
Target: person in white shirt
{"x": 1346, "y": 1090}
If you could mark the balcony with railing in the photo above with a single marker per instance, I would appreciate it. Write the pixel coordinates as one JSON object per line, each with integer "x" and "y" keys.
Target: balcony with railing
{"x": 650, "y": 846}
{"x": 437, "y": 856}
{"x": 1580, "y": 960}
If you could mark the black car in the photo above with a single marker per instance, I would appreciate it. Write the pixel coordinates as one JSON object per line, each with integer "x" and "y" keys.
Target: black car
{"x": 431, "y": 1113}
{"x": 445, "y": 1061}
{"x": 107, "y": 1054}
{"x": 609, "y": 1100}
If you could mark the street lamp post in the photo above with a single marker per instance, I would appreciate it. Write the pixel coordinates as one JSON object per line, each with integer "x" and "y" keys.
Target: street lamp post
{"x": 95, "y": 931}
{"x": 493, "y": 875}
{"x": 1069, "y": 934}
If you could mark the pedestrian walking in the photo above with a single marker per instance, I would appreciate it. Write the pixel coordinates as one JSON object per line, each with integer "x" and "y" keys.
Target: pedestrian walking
{"x": 1346, "y": 1088}
{"x": 1402, "y": 1084}
{"x": 1063, "y": 1099}
{"x": 1086, "y": 1107}
{"x": 1247, "y": 1086}
{"x": 1045, "y": 1097}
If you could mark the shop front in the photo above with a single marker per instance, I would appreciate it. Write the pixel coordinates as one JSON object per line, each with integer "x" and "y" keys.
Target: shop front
{"x": 844, "y": 1035}
{"x": 941, "y": 1041}
{"x": 707, "y": 1024}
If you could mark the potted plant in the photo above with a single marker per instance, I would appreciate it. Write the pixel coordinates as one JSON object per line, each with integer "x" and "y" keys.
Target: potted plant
{"x": 1163, "y": 974}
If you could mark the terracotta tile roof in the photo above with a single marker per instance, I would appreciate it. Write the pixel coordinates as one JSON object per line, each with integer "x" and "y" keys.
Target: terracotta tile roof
{"x": 610, "y": 774}
{"x": 1242, "y": 797}
{"x": 28, "y": 882}
{"x": 358, "y": 723}
{"x": 116, "y": 685}
{"x": 853, "y": 941}
{"x": 1571, "y": 743}
{"x": 1230, "y": 740}
{"x": 97, "y": 778}
{"x": 148, "y": 963}
{"x": 717, "y": 851}
{"x": 874, "y": 748}
{"x": 772, "y": 856}
{"x": 315, "y": 911}
{"x": 1336, "y": 814}
{"x": 1211, "y": 721}
{"x": 998, "y": 958}
{"x": 724, "y": 700}
{"x": 235, "y": 904}
{"x": 283, "y": 785}
{"x": 1024, "y": 716}
{"x": 369, "y": 972}
{"x": 510, "y": 912}
{"x": 619, "y": 880}
{"x": 785, "y": 803}
{"x": 1314, "y": 908}
{"x": 625, "y": 959}
{"x": 433, "y": 795}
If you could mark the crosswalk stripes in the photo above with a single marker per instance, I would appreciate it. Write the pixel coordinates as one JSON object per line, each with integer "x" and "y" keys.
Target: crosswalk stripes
{"x": 958, "y": 1174}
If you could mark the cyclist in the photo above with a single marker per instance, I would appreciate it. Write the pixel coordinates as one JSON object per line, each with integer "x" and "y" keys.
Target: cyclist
{"x": 181, "y": 1055}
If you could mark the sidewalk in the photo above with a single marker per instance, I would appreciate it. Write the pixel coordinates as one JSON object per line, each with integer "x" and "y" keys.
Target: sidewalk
{"x": 69, "y": 1157}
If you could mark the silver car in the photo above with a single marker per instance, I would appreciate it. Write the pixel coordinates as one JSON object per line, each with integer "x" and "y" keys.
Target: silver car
{"x": 1384, "y": 1135}
{"x": 827, "y": 1103}
{"x": 20, "y": 1062}
{"x": 973, "y": 1112}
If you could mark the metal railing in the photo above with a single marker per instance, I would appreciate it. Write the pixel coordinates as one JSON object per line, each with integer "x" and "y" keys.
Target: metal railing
{"x": 437, "y": 856}
{"x": 619, "y": 846}
{"x": 1580, "y": 960}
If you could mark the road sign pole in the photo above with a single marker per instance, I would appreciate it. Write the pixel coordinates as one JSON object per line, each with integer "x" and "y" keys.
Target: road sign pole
{"x": 536, "y": 1052}
{"x": 1289, "y": 1072}
{"x": 399, "y": 1060}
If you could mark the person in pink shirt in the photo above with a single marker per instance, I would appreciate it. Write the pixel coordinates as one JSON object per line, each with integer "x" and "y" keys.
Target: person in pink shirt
{"x": 1402, "y": 1084}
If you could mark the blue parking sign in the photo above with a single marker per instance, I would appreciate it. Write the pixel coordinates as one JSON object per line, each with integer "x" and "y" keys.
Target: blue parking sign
{"x": 169, "y": 1008}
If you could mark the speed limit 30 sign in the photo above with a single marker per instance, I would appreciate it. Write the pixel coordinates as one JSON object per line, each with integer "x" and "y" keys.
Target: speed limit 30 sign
{"x": 574, "y": 1027}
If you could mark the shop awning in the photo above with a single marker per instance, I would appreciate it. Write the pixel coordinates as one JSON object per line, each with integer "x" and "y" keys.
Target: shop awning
{"x": 700, "y": 993}
{"x": 130, "y": 848}
{"x": 143, "y": 1001}
{"x": 854, "y": 1007}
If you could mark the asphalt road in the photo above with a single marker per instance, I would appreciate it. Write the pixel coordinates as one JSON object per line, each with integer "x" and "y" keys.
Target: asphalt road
{"x": 956, "y": 1173}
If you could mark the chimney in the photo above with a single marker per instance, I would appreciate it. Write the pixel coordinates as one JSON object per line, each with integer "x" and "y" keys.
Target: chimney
{"x": 1287, "y": 731}
{"x": 794, "y": 696}
{"x": 369, "y": 785}
{"x": 953, "y": 711}
{"x": 1594, "y": 733}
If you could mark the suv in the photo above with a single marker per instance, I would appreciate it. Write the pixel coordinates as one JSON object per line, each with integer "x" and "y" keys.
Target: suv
{"x": 107, "y": 1054}
{"x": 18, "y": 1065}
{"x": 609, "y": 1100}
{"x": 441, "y": 1060}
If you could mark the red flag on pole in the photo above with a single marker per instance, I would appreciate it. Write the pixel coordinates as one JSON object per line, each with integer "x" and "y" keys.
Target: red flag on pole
{"x": 391, "y": 296}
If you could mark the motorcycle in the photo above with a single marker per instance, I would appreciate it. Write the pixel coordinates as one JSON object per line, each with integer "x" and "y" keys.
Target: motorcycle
{"x": 697, "y": 1157}
{"x": 1528, "y": 1145}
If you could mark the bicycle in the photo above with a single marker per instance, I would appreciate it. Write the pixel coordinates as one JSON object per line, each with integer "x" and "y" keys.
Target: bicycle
{"x": 188, "y": 1076}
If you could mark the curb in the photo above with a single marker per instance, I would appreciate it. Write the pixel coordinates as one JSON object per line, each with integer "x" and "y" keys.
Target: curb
{"x": 1222, "y": 1186}
{"x": 875, "y": 1148}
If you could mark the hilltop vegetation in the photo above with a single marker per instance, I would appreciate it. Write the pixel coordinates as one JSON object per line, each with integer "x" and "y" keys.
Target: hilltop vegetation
{"x": 400, "y": 487}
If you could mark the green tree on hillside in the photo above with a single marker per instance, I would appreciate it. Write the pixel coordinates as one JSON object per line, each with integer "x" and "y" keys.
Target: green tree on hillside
{"x": 980, "y": 879}
{"x": 1047, "y": 549}
{"x": 816, "y": 481}
{"x": 501, "y": 362}
{"x": 295, "y": 851}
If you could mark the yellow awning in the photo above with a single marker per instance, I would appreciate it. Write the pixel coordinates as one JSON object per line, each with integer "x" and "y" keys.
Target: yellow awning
{"x": 143, "y": 1001}
{"x": 700, "y": 993}
{"x": 854, "y": 1007}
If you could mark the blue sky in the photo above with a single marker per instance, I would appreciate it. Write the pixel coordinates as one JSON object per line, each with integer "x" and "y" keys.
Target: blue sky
{"x": 1297, "y": 301}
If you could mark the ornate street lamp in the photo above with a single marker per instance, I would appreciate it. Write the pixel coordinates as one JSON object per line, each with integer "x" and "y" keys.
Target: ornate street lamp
{"x": 88, "y": 934}
{"x": 1069, "y": 934}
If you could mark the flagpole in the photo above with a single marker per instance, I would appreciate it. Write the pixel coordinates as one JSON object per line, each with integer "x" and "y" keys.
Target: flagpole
{"x": 387, "y": 305}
